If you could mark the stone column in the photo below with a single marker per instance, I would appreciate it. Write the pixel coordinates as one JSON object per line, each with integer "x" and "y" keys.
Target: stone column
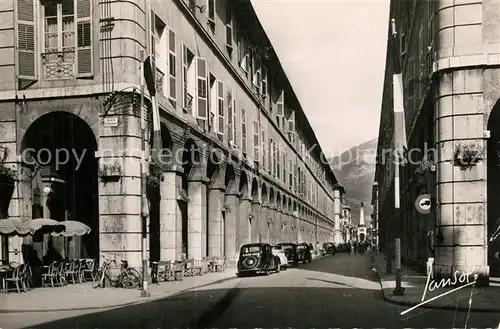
{"x": 120, "y": 222}
{"x": 264, "y": 232}
{"x": 230, "y": 227}
{"x": 461, "y": 194}
{"x": 197, "y": 216}
{"x": 170, "y": 217}
{"x": 256, "y": 222}
{"x": 215, "y": 225}
{"x": 243, "y": 221}
{"x": 272, "y": 226}
{"x": 337, "y": 237}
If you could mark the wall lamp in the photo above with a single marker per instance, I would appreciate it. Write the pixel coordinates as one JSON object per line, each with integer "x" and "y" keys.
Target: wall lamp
{"x": 193, "y": 5}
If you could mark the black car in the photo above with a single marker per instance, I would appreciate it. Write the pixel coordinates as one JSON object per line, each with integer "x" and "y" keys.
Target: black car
{"x": 329, "y": 248}
{"x": 257, "y": 258}
{"x": 304, "y": 253}
{"x": 290, "y": 250}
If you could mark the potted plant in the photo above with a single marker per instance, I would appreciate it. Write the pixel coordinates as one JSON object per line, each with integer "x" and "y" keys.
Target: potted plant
{"x": 466, "y": 156}
{"x": 425, "y": 166}
{"x": 110, "y": 172}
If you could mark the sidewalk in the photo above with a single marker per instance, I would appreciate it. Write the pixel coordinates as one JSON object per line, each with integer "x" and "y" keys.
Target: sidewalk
{"x": 85, "y": 297}
{"x": 483, "y": 299}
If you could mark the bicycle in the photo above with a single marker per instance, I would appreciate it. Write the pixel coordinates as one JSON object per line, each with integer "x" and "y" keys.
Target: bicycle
{"x": 127, "y": 277}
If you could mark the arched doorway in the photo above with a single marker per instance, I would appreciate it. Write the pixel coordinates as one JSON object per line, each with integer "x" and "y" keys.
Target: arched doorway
{"x": 65, "y": 145}
{"x": 493, "y": 179}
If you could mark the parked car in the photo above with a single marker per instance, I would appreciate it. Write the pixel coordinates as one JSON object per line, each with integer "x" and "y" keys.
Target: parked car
{"x": 290, "y": 250}
{"x": 329, "y": 248}
{"x": 304, "y": 253}
{"x": 278, "y": 251}
{"x": 257, "y": 258}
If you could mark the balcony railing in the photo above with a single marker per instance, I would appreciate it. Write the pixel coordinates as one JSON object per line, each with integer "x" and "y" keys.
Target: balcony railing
{"x": 58, "y": 65}
{"x": 159, "y": 81}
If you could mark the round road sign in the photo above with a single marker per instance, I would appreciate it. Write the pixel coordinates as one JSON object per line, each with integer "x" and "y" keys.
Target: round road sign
{"x": 423, "y": 204}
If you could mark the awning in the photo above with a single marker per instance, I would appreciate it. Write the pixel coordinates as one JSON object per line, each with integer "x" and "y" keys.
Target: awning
{"x": 72, "y": 228}
{"x": 14, "y": 226}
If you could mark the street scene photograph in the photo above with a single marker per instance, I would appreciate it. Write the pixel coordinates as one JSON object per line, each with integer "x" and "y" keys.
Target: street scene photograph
{"x": 182, "y": 164}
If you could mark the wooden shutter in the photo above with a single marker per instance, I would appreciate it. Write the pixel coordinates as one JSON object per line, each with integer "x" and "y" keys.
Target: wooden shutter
{"x": 220, "y": 107}
{"x": 201, "y": 89}
{"x": 26, "y": 50}
{"x": 172, "y": 89}
{"x": 243, "y": 130}
{"x": 84, "y": 38}
{"x": 230, "y": 122}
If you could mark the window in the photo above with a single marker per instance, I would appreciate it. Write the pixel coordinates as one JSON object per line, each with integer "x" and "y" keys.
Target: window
{"x": 283, "y": 164}
{"x": 243, "y": 131}
{"x": 188, "y": 89}
{"x": 290, "y": 173}
{"x": 257, "y": 74}
{"x": 211, "y": 14}
{"x": 235, "y": 125}
{"x": 172, "y": 91}
{"x": 67, "y": 51}
{"x": 220, "y": 108}
{"x": 291, "y": 127}
{"x": 256, "y": 143}
{"x": 229, "y": 27}
{"x": 271, "y": 156}
{"x": 201, "y": 89}
{"x": 276, "y": 156}
{"x": 230, "y": 119}
{"x": 264, "y": 82}
{"x": 264, "y": 147}
{"x": 243, "y": 55}
{"x": 280, "y": 114}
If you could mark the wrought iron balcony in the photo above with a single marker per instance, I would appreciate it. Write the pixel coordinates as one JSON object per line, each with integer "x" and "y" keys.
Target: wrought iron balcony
{"x": 58, "y": 65}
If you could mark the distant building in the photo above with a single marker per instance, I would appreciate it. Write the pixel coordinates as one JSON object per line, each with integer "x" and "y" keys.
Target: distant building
{"x": 450, "y": 55}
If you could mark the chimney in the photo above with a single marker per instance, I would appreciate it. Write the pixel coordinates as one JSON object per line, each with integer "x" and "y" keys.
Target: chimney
{"x": 362, "y": 215}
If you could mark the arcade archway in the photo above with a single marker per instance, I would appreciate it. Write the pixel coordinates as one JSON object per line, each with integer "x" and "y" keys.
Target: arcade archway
{"x": 62, "y": 144}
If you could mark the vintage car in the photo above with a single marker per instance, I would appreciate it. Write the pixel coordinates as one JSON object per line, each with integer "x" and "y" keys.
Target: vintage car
{"x": 256, "y": 258}
{"x": 329, "y": 248}
{"x": 290, "y": 250}
{"x": 304, "y": 253}
{"x": 278, "y": 251}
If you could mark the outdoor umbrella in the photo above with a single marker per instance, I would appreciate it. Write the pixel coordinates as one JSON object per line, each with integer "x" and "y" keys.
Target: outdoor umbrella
{"x": 72, "y": 228}
{"x": 46, "y": 225}
{"x": 14, "y": 226}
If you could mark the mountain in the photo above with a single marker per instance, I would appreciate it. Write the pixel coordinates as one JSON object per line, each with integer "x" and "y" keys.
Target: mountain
{"x": 355, "y": 170}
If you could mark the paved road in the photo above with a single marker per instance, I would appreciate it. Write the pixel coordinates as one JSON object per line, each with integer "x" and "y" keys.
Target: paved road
{"x": 338, "y": 291}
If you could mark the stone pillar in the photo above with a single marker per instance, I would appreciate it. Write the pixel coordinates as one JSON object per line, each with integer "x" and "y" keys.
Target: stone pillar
{"x": 197, "y": 213}
{"x": 256, "y": 222}
{"x": 272, "y": 226}
{"x": 461, "y": 194}
{"x": 170, "y": 217}
{"x": 243, "y": 221}
{"x": 215, "y": 225}
{"x": 336, "y": 216}
{"x": 230, "y": 227}
{"x": 264, "y": 230}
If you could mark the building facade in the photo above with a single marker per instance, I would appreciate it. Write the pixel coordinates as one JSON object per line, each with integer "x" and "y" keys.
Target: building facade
{"x": 240, "y": 162}
{"x": 450, "y": 56}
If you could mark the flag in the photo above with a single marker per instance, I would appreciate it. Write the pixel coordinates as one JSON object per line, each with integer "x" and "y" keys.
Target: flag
{"x": 149, "y": 77}
{"x": 399, "y": 132}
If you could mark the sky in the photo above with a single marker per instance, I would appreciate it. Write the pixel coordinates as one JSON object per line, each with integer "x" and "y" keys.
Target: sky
{"x": 333, "y": 52}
